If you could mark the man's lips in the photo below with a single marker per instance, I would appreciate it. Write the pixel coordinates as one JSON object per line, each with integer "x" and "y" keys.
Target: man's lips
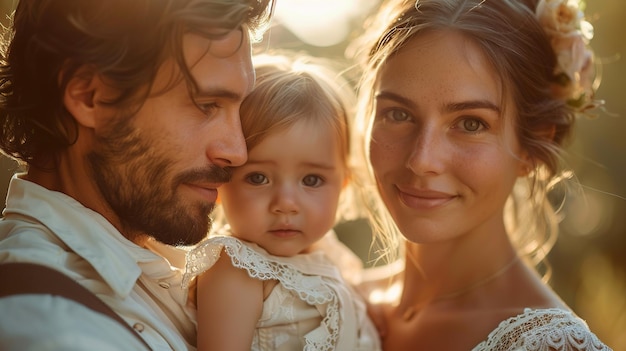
{"x": 208, "y": 192}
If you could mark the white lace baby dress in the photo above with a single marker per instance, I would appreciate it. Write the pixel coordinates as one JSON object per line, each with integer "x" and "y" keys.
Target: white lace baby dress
{"x": 312, "y": 307}
{"x": 542, "y": 330}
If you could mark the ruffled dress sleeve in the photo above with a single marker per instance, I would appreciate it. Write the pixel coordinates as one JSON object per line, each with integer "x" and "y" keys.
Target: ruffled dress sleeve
{"x": 310, "y": 277}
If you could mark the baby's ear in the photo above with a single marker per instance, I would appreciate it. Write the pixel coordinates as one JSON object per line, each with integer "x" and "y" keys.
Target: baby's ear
{"x": 81, "y": 94}
{"x": 347, "y": 179}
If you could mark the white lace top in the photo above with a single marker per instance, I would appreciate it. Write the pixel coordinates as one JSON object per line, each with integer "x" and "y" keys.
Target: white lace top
{"x": 312, "y": 307}
{"x": 542, "y": 330}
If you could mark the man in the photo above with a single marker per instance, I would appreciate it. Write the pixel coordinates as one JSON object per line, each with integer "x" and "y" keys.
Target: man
{"x": 126, "y": 116}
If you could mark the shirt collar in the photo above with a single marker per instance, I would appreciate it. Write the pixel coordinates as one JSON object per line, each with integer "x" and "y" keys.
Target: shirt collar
{"x": 118, "y": 260}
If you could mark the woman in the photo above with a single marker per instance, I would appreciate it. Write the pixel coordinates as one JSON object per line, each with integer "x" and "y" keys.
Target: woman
{"x": 466, "y": 105}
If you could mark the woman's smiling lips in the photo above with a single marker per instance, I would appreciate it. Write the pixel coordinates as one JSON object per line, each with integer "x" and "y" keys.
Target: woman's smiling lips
{"x": 424, "y": 199}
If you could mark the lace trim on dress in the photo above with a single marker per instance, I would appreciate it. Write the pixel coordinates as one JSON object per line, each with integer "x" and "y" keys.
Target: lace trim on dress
{"x": 311, "y": 289}
{"x": 542, "y": 330}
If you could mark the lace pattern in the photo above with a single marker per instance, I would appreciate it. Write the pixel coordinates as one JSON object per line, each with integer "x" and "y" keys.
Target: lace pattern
{"x": 311, "y": 289}
{"x": 542, "y": 330}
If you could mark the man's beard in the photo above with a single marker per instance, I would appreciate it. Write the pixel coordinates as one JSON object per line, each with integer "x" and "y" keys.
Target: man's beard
{"x": 137, "y": 182}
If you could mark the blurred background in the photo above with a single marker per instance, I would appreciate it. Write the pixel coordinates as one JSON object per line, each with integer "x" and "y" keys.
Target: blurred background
{"x": 589, "y": 259}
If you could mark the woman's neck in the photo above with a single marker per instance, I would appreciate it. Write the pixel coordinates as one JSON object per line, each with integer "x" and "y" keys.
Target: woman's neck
{"x": 445, "y": 271}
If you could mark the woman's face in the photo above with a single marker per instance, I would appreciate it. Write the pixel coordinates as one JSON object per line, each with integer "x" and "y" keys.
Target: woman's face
{"x": 443, "y": 149}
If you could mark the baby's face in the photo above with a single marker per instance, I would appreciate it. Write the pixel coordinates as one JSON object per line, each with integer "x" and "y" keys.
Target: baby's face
{"x": 285, "y": 197}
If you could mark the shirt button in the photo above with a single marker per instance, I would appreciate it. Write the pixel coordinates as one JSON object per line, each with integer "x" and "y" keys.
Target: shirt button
{"x": 138, "y": 327}
{"x": 164, "y": 285}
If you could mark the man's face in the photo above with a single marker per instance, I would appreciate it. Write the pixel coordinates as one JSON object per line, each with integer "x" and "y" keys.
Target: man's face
{"x": 159, "y": 169}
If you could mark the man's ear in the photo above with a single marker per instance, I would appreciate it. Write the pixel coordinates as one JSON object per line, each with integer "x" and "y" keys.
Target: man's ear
{"x": 80, "y": 96}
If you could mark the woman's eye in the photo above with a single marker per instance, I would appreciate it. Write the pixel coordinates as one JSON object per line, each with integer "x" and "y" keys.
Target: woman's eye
{"x": 397, "y": 115}
{"x": 472, "y": 125}
{"x": 312, "y": 181}
{"x": 257, "y": 179}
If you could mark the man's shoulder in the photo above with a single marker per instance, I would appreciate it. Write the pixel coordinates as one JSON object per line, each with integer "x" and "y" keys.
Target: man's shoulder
{"x": 47, "y": 322}
{"x": 29, "y": 241}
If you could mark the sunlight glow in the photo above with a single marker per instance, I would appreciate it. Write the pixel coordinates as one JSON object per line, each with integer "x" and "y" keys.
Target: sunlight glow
{"x": 388, "y": 295}
{"x": 321, "y": 22}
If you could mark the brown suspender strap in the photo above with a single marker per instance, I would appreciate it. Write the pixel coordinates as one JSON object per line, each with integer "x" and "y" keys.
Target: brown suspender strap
{"x": 29, "y": 278}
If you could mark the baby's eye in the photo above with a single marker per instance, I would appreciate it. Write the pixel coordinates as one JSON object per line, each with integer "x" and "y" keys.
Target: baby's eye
{"x": 256, "y": 179}
{"x": 312, "y": 181}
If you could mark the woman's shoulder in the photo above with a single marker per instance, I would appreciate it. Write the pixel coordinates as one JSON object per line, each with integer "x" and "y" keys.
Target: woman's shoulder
{"x": 542, "y": 329}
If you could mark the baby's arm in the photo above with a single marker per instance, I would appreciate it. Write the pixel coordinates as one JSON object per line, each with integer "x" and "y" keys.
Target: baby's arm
{"x": 229, "y": 303}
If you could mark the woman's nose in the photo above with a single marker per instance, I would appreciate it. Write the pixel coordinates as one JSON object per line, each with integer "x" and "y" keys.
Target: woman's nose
{"x": 428, "y": 153}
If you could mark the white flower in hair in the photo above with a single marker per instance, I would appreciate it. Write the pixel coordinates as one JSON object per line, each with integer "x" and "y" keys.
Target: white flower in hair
{"x": 564, "y": 23}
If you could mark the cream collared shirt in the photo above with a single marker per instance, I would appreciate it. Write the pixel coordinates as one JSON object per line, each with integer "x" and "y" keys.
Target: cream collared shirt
{"x": 51, "y": 228}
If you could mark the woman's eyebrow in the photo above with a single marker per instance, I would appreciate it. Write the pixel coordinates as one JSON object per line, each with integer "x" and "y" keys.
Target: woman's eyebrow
{"x": 451, "y": 107}
{"x": 386, "y": 95}
{"x": 472, "y": 105}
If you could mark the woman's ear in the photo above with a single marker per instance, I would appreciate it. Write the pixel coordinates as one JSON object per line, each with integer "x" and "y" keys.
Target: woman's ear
{"x": 550, "y": 132}
{"x": 80, "y": 96}
{"x": 526, "y": 165}
{"x": 546, "y": 134}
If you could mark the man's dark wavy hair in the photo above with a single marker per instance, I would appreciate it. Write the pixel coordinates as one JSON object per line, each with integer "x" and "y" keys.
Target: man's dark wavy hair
{"x": 124, "y": 42}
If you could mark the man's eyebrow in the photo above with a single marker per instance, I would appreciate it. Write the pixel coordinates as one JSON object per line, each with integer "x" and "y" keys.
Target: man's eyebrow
{"x": 218, "y": 93}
